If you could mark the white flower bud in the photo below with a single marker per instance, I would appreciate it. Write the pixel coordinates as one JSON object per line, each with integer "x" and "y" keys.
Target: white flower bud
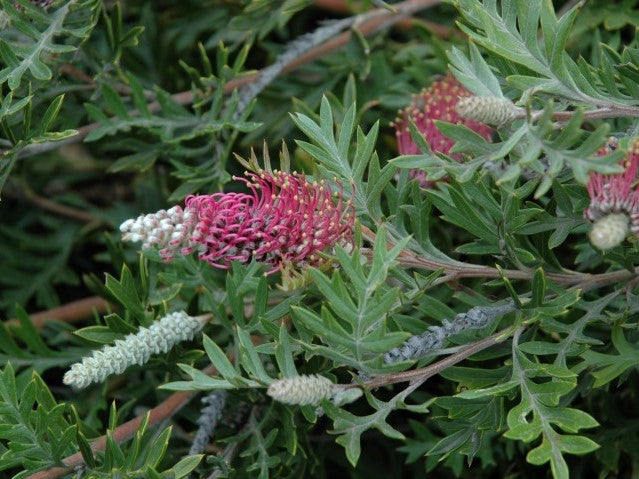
{"x": 136, "y": 348}
{"x": 126, "y": 226}
{"x": 171, "y": 231}
{"x": 301, "y": 390}
{"x": 490, "y": 110}
{"x": 609, "y": 231}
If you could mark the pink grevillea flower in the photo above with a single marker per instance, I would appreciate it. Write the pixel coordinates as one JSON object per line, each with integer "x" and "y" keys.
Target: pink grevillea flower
{"x": 285, "y": 220}
{"x": 436, "y": 102}
{"x": 614, "y": 203}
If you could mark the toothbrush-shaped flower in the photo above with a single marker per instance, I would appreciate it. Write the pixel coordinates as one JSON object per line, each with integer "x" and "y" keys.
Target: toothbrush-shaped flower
{"x": 284, "y": 220}
{"x": 136, "y": 348}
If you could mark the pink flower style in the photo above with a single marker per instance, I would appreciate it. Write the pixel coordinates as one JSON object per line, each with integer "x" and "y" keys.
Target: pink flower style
{"x": 436, "y": 102}
{"x": 285, "y": 220}
{"x": 614, "y": 203}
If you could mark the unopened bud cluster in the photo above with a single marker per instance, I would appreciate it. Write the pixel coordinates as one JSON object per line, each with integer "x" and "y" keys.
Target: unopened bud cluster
{"x": 417, "y": 347}
{"x": 488, "y": 109}
{"x": 136, "y": 348}
{"x": 285, "y": 220}
{"x": 301, "y": 390}
{"x": 170, "y": 231}
{"x": 614, "y": 200}
{"x": 209, "y": 418}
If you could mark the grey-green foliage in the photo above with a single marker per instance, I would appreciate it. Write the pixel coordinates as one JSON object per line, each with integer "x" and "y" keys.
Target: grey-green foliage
{"x": 32, "y": 267}
{"x": 33, "y": 42}
{"x": 35, "y": 432}
{"x": 529, "y": 42}
{"x": 554, "y": 394}
{"x": 36, "y": 36}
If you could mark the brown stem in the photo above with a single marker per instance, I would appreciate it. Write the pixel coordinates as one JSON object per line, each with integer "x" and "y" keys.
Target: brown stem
{"x": 613, "y": 111}
{"x": 340, "y": 6}
{"x": 73, "y": 72}
{"x": 455, "y": 271}
{"x": 369, "y": 23}
{"x": 69, "y": 313}
{"x": 54, "y": 207}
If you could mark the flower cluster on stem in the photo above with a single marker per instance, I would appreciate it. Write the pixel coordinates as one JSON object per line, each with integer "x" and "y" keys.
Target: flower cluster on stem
{"x": 284, "y": 220}
{"x": 136, "y": 348}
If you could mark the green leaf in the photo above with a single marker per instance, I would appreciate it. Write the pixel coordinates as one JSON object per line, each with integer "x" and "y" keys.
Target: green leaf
{"x": 27, "y": 56}
{"x": 219, "y": 359}
{"x": 126, "y": 293}
{"x": 186, "y": 465}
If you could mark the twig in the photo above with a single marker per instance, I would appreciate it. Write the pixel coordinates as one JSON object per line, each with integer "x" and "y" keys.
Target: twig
{"x": 613, "y": 111}
{"x": 294, "y": 50}
{"x": 340, "y": 6}
{"x": 456, "y": 271}
{"x": 73, "y": 72}
{"x": 54, "y": 207}
{"x": 69, "y": 313}
{"x": 369, "y": 23}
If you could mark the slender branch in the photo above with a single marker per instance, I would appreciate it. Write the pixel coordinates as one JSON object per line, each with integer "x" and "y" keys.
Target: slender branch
{"x": 454, "y": 271}
{"x": 340, "y": 6}
{"x": 52, "y": 206}
{"x": 366, "y": 23}
{"x": 614, "y": 111}
{"x": 73, "y": 72}
{"x": 69, "y": 313}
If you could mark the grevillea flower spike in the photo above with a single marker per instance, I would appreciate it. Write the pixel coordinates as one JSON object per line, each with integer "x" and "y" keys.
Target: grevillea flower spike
{"x": 614, "y": 203}
{"x": 136, "y": 348}
{"x": 285, "y": 221}
{"x": 437, "y": 102}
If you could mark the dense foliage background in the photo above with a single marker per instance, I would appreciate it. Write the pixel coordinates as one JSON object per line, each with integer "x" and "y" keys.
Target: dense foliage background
{"x": 113, "y": 109}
